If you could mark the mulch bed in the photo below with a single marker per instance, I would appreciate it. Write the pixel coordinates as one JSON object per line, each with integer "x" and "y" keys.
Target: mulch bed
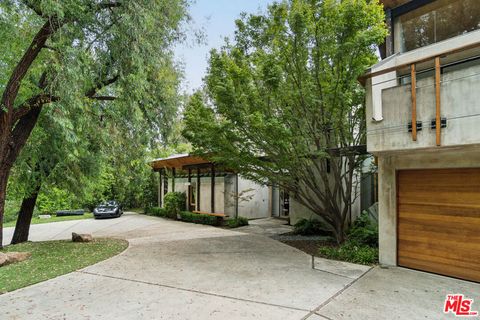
{"x": 308, "y": 246}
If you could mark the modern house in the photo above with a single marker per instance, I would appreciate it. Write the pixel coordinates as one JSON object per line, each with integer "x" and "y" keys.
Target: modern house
{"x": 212, "y": 188}
{"x": 423, "y": 125}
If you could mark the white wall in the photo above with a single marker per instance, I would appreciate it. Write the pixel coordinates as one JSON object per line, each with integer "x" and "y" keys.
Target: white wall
{"x": 256, "y": 207}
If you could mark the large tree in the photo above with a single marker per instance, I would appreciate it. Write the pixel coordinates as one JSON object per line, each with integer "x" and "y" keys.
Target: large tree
{"x": 73, "y": 53}
{"x": 282, "y": 104}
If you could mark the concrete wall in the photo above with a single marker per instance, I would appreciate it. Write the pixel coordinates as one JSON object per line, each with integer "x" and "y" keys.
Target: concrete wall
{"x": 256, "y": 207}
{"x": 459, "y": 157}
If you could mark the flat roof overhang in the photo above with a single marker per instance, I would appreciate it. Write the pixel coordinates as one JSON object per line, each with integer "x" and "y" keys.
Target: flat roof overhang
{"x": 390, "y": 4}
{"x": 179, "y": 161}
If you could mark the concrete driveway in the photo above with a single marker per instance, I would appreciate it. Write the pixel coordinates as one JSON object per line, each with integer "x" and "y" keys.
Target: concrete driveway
{"x": 175, "y": 270}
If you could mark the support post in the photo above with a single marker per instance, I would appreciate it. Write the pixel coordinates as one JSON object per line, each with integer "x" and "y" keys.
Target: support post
{"x": 173, "y": 179}
{"x": 190, "y": 190}
{"x": 212, "y": 205}
{"x": 413, "y": 75}
{"x": 198, "y": 189}
{"x": 236, "y": 195}
{"x": 437, "y": 100}
{"x": 159, "y": 202}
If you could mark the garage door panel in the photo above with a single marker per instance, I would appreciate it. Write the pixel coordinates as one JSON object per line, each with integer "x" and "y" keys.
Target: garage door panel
{"x": 439, "y": 221}
{"x": 447, "y": 250}
{"x": 435, "y": 177}
{"x": 444, "y": 269}
{"x": 440, "y": 209}
{"x": 444, "y": 239}
{"x": 425, "y": 222}
{"x": 450, "y": 261}
{"x": 445, "y": 198}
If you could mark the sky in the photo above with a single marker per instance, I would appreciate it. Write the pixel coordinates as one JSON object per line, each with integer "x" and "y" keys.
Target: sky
{"x": 216, "y": 18}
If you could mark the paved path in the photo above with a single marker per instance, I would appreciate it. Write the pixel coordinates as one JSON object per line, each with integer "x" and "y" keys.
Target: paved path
{"x": 175, "y": 270}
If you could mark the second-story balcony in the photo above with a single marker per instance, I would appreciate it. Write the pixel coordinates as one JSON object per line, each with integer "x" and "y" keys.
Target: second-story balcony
{"x": 426, "y": 98}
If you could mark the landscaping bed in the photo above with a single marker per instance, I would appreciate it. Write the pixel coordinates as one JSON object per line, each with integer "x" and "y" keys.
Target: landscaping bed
{"x": 360, "y": 246}
{"x": 50, "y": 259}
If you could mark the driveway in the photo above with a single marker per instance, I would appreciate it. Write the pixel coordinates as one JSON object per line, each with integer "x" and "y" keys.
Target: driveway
{"x": 175, "y": 270}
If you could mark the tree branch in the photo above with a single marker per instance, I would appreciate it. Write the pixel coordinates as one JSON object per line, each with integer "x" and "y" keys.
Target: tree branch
{"x": 33, "y": 103}
{"x": 38, "y": 42}
{"x": 101, "y": 84}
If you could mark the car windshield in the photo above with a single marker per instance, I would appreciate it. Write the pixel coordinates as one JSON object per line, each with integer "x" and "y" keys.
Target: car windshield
{"x": 108, "y": 204}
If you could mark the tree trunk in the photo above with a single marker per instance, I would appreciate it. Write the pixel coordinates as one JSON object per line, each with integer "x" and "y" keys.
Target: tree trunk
{"x": 339, "y": 232}
{"x": 24, "y": 219}
{"x": 20, "y": 134}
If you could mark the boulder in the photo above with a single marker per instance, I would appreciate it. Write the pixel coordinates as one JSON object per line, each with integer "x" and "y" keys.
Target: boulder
{"x": 13, "y": 257}
{"x": 3, "y": 259}
{"x": 81, "y": 237}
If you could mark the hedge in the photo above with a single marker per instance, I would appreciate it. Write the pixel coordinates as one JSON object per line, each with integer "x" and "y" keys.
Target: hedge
{"x": 237, "y": 222}
{"x": 200, "y": 218}
{"x": 156, "y": 211}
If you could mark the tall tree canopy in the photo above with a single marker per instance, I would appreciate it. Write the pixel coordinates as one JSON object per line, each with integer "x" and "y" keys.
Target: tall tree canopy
{"x": 80, "y": 55}
{"x": 283, "y": 97}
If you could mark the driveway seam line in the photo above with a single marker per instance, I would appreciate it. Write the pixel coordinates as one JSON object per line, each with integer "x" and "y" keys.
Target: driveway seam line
{"x": 196, "y": 291}
{"x": 335, "y": 274}
{"x": 323, "y": 304}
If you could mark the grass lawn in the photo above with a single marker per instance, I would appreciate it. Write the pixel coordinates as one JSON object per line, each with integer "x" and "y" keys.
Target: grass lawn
{"x": 52, "y": 219}
{"x": 53, "y": 258}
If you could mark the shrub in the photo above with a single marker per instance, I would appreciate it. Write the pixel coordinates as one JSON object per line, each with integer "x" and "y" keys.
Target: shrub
{"x": 351, "y": 251}
{"x": 308, "y": 227}
{"x": 175, "y": 202}
{"x": 156, "y": 211}
{"x": 200, "y": 218}
{"x": 237, "y": 222}
{"x": 364, "y": 231}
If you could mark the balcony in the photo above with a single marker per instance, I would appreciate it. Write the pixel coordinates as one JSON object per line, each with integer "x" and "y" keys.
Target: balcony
{"x": 437, "y": 87}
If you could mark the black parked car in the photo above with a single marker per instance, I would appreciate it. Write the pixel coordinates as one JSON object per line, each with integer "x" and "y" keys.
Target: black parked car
{"x": 109, "y": 209}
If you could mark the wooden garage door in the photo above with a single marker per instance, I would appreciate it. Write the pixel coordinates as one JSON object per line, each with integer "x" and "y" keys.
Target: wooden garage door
{"x": 439, "y": 221}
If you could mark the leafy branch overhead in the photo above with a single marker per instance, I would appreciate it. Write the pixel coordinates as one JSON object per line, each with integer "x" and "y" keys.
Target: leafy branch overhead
{"x": 282, "y": 98}
{"x": 106, "y": 58}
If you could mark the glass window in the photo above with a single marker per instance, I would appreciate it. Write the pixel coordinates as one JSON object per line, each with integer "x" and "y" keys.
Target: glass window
{"x": 435, "y": 22}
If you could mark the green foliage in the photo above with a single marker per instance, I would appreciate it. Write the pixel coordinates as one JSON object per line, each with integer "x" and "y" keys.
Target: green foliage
{"x": 286, "y": 88}
{"x": 308, "y": 227}
{"x": 237, "y": 222}
{"x": 364, "y": 231}
{"x": 54, "y": 199}
{"x": 93, "y": 149}
{"x": 11, "y": 211}
{"x": 51, "y": 259}
{"x": 175, "y": 202}
{"x": 157, "y": 212}
{"x": 351, "y": 251}
{"x": 200, "y": 218}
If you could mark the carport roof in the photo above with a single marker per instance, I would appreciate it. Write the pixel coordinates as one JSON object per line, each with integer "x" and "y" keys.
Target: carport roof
{"x": 178, "y": 161}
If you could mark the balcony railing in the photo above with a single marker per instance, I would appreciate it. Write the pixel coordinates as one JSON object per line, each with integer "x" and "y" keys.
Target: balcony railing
{"x": 410, "y": 69}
